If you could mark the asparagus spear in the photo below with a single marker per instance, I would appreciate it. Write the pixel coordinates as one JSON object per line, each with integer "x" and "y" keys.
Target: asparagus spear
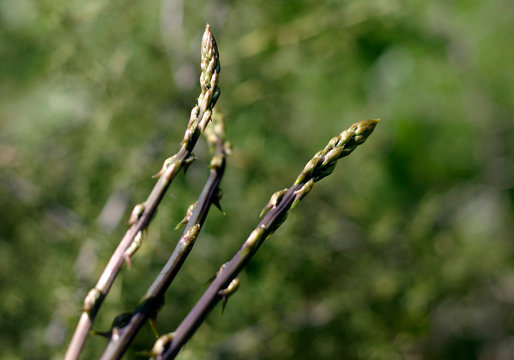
{"x": 142, "y": 214}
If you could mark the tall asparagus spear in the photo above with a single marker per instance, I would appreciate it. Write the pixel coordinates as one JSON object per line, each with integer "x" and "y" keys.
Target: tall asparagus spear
{"x": 275, "y": 213}
{"x": 142, "y": 213}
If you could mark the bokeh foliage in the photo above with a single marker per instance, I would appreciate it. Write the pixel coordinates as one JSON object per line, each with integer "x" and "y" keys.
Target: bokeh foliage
{"x": 404, "y": 252}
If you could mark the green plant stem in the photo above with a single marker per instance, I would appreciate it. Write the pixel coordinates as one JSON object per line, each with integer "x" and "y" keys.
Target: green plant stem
{"x": 200, "y": 117}
{"x": 321, "y": 165}
{"x": 154, "y": 296}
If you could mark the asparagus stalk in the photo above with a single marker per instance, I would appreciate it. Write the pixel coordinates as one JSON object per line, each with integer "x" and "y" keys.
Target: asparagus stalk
{"x": 275, "y": 213}
{"x": 143, "y": 213}
{"x": 195, "y": 218}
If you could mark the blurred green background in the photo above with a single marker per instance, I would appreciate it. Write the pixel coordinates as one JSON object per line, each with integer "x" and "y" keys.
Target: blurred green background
{"x": 404, "y": 252}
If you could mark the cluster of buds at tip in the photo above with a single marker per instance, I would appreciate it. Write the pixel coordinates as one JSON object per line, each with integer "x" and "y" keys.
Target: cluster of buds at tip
{"x": 302, "y": 192}
{"x": 91, "y": 298}
{"x": 136, "y": 213}
{"x": 273, "y": 202}
{"x": 324, "y": 161}
{"x": 190, "y": 235}
{"x": 210, "y": 66}
{"x": 162, "y": 344}
{"x": 210, "y": 63}
{"x": 345, "y": 143}
{"x": 201, "y": 114}
{"x": 186, "y": 218}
